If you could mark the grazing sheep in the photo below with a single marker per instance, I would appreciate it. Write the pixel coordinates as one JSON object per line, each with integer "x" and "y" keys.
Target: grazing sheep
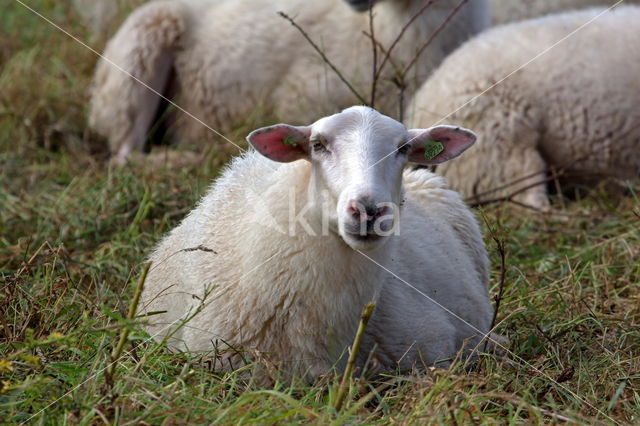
{"x": 290, "y": 253}
{"x": 506, "y": 11}
{"x": 574, "y": 108}
{"x": 224, "y": 60}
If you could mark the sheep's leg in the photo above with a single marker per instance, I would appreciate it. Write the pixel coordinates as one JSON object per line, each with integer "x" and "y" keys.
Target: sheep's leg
{"x": 130, "y": 81}
{"x": 518, "y": 174}
{"x": 529, "y": 169}
{"x": 148, "y": 102}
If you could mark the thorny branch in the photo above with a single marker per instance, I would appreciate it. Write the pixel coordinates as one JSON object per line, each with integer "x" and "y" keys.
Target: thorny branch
{"x": 500, "y": 245}
{"x": 503, "y": 268}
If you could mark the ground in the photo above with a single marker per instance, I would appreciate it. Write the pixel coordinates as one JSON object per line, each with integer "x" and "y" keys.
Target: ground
{"x": 74, "y": 232}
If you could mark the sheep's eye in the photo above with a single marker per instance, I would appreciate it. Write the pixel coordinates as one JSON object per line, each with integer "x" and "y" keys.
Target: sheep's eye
{"x": 319, "y": 145}
{"x": 404, "y": 148}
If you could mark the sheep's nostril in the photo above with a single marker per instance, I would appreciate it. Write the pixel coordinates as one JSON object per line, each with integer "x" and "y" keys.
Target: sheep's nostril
{"x": 365, "y": 212}
{"x": 381, "y": 211}
{"x": 355, "y": 209}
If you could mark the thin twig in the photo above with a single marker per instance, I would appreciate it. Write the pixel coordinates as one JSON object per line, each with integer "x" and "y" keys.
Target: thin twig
{"x": 383, "y": 50}
{"x": 344, "y": 384}
{"x": 324, "y": 57}
{"x": 512, "y": 183}
{"x": 199, "y": 248}
{"x": 433, "y": 36}
{"x": 401, "y": 34}
{"x": 503, "y": 273}
{"x": 374, "y": 46}
{"x": 507, "y": 197}
{"x": 401, "y": 88}
{"x": 556, "y": 182}
{"x": 133, "y": 307}
{"x": 558, "y": 172}
{"x": 474, "y": 201}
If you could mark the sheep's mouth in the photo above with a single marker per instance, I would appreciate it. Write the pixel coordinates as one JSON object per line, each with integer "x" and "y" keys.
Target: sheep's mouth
{"x": 368, "y": 242}
{"x": 366, "y": 237}
{"x": 363, "y": 242}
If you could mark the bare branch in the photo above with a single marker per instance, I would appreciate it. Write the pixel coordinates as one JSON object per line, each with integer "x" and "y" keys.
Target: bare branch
{"x": 401, "y": 89}
{"x": 401, "y": 34}
{"x": 382, "y": 50}
{"x": 433, "y": 36}
{"x": 374, "y": 45}
{"x": 500, "y": 245}
{"x": 324, "y": 57}
{"x": 556, "y": 174}
{"x": 474, "y": 202}
{"x": 512, "y": 183}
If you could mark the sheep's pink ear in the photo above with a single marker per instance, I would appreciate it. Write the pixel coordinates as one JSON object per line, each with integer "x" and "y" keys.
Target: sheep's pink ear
{"x": 438, "y": 144}
{"x": 282, "y": 143}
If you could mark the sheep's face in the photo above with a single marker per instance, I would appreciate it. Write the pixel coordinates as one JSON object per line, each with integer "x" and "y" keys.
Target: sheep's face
{"x": 358, "y": 157}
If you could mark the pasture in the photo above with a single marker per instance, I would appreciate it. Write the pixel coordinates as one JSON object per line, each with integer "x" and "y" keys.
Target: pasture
{"x": 75, "y": 231}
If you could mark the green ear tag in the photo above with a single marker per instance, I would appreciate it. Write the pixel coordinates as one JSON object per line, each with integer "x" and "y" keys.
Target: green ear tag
{"x": 288, "y": 141}
{"x": 432, "y": 149}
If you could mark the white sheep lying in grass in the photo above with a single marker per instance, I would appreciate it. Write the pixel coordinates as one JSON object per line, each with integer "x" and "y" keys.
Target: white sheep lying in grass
{"x": 575, "y": 108}
{"x": 506, "y": 11}
{"x": 223, "y": 61}
{"x": 292, "y": 252}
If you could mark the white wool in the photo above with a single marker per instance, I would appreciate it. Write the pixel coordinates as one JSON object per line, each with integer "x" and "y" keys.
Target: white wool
{"x": 297, "y": 298}
{"x": 573, "y": 108}
{"x": 231, "y": 59}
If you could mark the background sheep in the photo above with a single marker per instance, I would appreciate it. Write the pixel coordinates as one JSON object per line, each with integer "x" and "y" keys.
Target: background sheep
{"x": 230, "y": 59}
{"x": 295, "y": 295}
{"x": 505, "y": 11}
{"x": 574, "y": 109}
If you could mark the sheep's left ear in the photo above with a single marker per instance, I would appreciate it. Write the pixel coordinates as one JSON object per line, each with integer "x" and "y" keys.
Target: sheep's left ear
{"x": 438, "y": 144}
{"x": 282, "y": 142}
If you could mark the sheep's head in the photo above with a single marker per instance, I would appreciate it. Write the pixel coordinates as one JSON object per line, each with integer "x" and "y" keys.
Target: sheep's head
{"x": 358, "y": 157}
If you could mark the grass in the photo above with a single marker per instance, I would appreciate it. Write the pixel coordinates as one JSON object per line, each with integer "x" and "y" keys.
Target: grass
{"x": 74, "y": 233}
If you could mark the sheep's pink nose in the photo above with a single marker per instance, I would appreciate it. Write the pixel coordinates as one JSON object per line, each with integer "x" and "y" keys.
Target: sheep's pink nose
{"x": 365, "y": 210}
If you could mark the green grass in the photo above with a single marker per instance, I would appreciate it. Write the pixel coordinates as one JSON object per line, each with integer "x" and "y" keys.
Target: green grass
{"x": 74, "y": 232}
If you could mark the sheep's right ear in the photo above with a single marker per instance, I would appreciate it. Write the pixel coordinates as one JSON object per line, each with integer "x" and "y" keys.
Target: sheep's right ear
{"x": 438, "y": 144}
{"x": 282, "y": 142}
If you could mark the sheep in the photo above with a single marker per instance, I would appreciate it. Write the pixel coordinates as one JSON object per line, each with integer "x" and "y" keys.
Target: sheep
{"x": 506, "y": 11}
{"x": 574, "y": 109}
{"x": 223, "y": 61}
{"x": 279, "y": 259}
